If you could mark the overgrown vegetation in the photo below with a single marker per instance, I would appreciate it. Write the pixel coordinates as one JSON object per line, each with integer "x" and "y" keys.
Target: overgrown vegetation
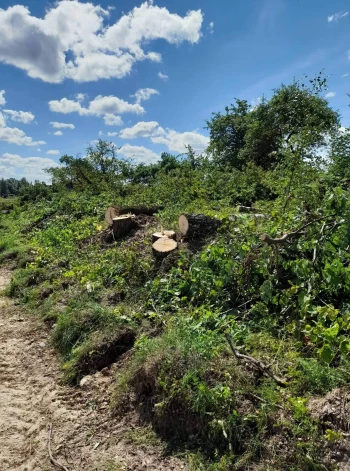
{"x": 286, "y": 304}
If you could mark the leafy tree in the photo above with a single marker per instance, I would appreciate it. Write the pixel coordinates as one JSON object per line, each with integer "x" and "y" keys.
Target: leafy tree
{"x": 292, "y": 125}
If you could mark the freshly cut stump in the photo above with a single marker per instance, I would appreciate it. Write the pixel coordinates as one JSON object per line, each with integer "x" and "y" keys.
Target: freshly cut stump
{"x": 111, "y": 213}
{"x": 122, "y": 225}
{"x": 197, "y": 225}
{"x": 164, "y": 246}
{"x": 159, "y": 235}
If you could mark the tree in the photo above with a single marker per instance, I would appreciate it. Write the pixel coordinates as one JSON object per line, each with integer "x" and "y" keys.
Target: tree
{"x": 289, "y": 126}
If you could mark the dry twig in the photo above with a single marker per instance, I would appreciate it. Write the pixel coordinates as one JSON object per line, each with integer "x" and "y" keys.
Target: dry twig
{"x": 259, "y": 364}
{"x": 52, "y": 459}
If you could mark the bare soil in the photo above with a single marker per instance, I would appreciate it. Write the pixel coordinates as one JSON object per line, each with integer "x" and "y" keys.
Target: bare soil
{"x": 86, "y": 436}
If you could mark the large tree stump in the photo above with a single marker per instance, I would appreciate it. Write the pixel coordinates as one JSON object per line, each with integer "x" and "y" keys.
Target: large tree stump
{"x": 197, "y": 225}
{"x": 112, "y": 212}
{"x": 139, "y": 210}
{"x": 159, "y": 235}
{"x": 122, "y": 225}
{"x": 164, "y": 246}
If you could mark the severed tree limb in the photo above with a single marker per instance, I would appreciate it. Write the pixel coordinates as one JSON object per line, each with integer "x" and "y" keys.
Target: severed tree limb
{"x": 259, "y": 364}
{"x": 52, "y": 459}
{"x": 282, "y": 240}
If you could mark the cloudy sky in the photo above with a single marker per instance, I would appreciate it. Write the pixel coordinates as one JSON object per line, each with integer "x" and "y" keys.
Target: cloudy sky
{"x": 147, "y": 75}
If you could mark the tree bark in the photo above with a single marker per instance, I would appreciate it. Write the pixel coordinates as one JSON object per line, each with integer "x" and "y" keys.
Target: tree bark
{"x": 122, "y": 225}
{"x": 164, "y": 246}
{"x": 111, "y": 213}
{"x": 197, "y": 225}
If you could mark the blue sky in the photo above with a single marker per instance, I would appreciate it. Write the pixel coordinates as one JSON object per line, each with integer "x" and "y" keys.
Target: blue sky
{"x": 147, "y": 75}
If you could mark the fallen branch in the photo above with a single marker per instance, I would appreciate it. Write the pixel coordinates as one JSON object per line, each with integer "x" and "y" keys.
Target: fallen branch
{"x": 282, "y": 240}
{"x": 52, "y": 459}
{"x": 259, "y": 364}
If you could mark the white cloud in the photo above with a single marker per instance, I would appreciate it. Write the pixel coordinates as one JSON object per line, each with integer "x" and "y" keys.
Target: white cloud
{"x": 112, "y": 120}
{"x": 2, "y": 120}
{"x": 73, "y": 40}
{"x": 2, "y": 98}
{"x": 344, "y": 75}
{"x": 53, "y": 152}
{"x": 57, "y": 125}
{"x": 58, "y": 133}
{"x": 100, "y": 133}
{"x": 337, "y": 16}
{"x": 177, "y": 142}
{"x": 144, "y": 94}
{"x": 107, "y": 106}
{"x": 211, "y": 27}
{"x": 330, "y": 95}
{"x": 112, "y": 134}
{"x": 163, "y": 76}
{"x": 138, "y": 153}
{"x": 13, "y": 165}
{"x": 17, "y": 136}
{"x": 103, "y": 105}
{"x": 66, "y": 106}
{"x": 38, "y": 150}
{"x": 142, "y": 129}
{"x": 80, "y": 96}
{"x": 24, "y": 117}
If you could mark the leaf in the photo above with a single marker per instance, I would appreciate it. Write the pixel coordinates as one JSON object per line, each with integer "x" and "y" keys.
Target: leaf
{"x": 332, "y": 332}
{"x": 326, "y": 354}
{"x": 344, "y": 346}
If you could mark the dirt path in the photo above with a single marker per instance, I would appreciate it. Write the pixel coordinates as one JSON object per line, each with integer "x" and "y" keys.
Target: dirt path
{"x": 85, "y": 435}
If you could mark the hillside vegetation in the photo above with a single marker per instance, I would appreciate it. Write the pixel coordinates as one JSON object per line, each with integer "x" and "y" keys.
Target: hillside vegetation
{"x": 283, "y": 303}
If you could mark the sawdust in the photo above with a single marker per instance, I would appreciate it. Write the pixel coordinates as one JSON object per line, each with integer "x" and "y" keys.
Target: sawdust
{"x": 85, "y": 434}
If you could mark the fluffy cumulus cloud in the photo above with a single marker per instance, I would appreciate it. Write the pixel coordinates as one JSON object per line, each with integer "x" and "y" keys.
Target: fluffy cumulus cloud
{"x": 53, "y": 152}
{"x": 13, "y": 165}
{"x": 138, "y": 154}
{"x": 17, "y": 136}
{"x": 107, "y": 106}
{"x": 57, "y": 125}
{"x": 101, "y": 105}
{"x": 58, "y": 133}
{"x": 144, "y": 94}
{"x": 330, "y": 95}
{"x": 177, "y": 141}
{"x": 173, "y": 140}
{"x": 337, "y": 16}
{"x": 2, "y": 98}
{"x": 112, "y": 120}
{"x": 142, "y": 129}
{"x": 211, "y": 27}
{"x": 74, "y": 39}
{"x": 24, "y": 117}
{"x": 163, "y": 76}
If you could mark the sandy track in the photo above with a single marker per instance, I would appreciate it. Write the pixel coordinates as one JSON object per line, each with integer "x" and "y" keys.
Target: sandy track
{"x": 85, "y": 435}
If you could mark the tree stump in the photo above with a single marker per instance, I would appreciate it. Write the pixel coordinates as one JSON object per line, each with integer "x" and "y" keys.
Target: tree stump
{"x": 122, "y": 225}
{"x": 111, "y": 213}
{"x": 159, "y": 235}
{"x": 164, "y": 246}
{"x": 197, "y": 225}
{"x": 140, "y": 210}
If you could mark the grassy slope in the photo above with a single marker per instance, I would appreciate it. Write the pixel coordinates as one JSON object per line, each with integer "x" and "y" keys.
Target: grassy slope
{"x": 181, "y": 376}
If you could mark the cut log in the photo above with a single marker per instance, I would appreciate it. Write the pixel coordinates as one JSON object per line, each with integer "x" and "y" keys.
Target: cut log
{"x": 139, "y": 210}
{"x": 111, "y": 213}
{"x": 197, "y": 225}
{"x": 164, "y": 246}
{"x": 159, "y": 235}
{"x": 245, "y": 209}
{"x": 122, "y": 225}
